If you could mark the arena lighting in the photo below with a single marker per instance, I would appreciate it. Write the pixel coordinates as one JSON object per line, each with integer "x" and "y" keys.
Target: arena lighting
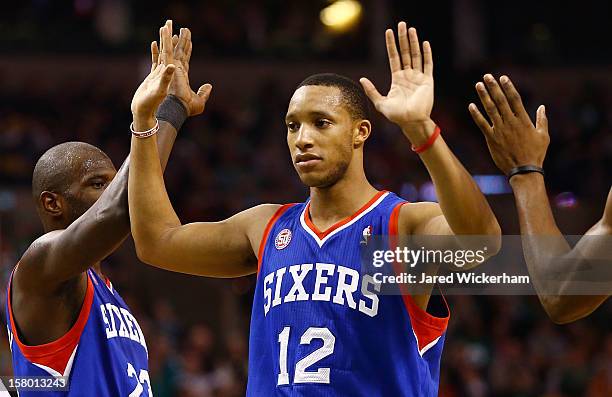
{"x": 492, "y": 184}
{"x": 488, "y": 184}
{"x": 341, "y": 15}
{"x": 566, "y": 200}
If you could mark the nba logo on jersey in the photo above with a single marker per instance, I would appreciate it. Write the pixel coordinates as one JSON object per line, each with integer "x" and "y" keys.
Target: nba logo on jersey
{"x": 318, "y": 326}
{"x": 367, "y": 233}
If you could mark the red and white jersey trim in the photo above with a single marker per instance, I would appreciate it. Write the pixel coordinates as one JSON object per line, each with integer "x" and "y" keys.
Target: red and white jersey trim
{"x": 428, "y": 346}
{"x": 427, "y": 329}
{"x": 109, "y": 285}
{"x": 55, "y": 357}
{"x": 262, "y": 244}
{"x": 67, "y": 369}
{"x": 322, "y": 237}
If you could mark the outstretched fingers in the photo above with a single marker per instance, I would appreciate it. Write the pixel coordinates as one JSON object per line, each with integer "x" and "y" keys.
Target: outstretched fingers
{"x": 541, "y": 119}
{"x": 514, "y": 99}
{"x": 394, "y": 59}
{"x": 181, "y": 45}
{"x": 188, "y": 55}
{"x": 427, "y": 59}
{"x": 480, "y": 120}
{"x": 165, "y": 40}
{"x": 154, "y": 55}
{"x": 402, "y": 32}
{"x": 415, "y": 50}
{"x": 411, "y": 55}
{"x": 498, "y": 97}
{"x": 488, "y": 103}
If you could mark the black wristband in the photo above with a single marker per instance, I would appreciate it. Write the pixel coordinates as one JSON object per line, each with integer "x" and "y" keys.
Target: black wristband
{"x": 525, "y": 169}
{"x": 172, "y": 111}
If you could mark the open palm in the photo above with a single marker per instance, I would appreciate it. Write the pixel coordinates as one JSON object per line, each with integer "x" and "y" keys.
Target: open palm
{"x": 410, "y": 97}
{"x": 152, "y": 90}
{"x": 177, "y": 50}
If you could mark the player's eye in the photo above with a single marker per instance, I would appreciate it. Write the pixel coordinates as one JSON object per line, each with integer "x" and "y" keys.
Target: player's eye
{"x": 98, "y": 184}
{"x": 293, "y": 126}
{"x": 322, "y": 123}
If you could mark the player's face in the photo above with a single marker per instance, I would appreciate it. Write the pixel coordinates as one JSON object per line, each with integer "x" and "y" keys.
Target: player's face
{"x": 90, "y": 182}
{"x": 319, "y": 135}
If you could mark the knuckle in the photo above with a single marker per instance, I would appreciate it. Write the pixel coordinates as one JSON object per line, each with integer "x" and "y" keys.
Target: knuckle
{"x": 515, "y": 97}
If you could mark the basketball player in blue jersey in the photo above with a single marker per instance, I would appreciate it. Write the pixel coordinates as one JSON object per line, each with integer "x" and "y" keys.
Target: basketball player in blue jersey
{"x": 317, "y": 326}
{"x": 64, "y": 316}
{"x": 518, "y": 148}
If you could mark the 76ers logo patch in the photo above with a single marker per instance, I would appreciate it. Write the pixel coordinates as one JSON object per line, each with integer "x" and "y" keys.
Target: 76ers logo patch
{"x": 283, "y": 238}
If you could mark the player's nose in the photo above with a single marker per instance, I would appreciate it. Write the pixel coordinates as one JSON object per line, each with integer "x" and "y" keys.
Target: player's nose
{"x": 304, "y": 139}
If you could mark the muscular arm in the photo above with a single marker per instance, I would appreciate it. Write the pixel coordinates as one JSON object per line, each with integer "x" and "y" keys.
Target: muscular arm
{"x": 513, "y": 141}
{"x": 63, "y": 254}
{"x": 462, "y": 208}
{"x": 217, "y": 249}
{"x": 220, "y": 249}
{"x": 539, "y": 229}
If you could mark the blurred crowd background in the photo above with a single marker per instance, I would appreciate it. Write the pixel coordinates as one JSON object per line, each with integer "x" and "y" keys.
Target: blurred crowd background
{"x": 68, "y": 71}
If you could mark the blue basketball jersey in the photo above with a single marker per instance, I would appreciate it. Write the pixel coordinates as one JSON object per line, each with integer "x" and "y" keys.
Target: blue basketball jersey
{"x": 317, "y": 326}
{"x": 103, "y": 354}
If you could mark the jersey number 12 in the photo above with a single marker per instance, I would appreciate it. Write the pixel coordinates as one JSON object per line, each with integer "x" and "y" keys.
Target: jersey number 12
{"x": 321, "y": 375}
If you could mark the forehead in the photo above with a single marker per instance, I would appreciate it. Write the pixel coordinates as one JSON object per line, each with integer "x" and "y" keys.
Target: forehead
{"x": 316, "y": 98}
{"x": 93, "y": 163}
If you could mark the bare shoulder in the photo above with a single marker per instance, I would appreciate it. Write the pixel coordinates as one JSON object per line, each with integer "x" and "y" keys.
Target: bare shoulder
{"x": 414, "y": 214}
{"x": 258, "y": 216}
{"x": 254, "y": 221}
{"x": 37, "y": 253}
{"x": 45, "y": 241}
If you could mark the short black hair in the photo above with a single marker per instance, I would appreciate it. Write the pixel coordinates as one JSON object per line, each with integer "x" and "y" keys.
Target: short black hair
{"x": 354, "y": 97}
{"x": 57, "y": 168}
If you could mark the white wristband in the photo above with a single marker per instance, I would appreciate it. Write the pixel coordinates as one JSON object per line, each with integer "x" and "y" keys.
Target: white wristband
{"x": 147, "y": 133}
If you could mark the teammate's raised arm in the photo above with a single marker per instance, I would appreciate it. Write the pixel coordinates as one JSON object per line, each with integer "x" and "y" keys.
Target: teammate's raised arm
{"x": 221, "y": 249}
{"x": 462, "y": 207}
{"x": 82, "y": 203}
{"x": 60, "y": 255}
{"x": 514, "y": 142}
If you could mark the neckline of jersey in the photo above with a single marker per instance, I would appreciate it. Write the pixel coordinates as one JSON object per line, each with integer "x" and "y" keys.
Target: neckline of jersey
{"x": 322, "y": 234}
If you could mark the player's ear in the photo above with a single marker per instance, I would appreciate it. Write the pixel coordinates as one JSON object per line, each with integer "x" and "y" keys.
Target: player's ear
{"x": 51, "y": 203}
{"x": 361, "y": 132}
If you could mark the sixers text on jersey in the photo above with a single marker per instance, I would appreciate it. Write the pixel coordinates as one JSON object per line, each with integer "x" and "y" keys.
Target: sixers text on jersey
{"x": 103, "y": 354}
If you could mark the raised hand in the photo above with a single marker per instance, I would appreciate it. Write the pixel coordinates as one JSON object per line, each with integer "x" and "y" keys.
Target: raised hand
{"x": 512, "y": 138}
{"x": 179, "y": 53}
{"x": 411, "y": 95}
{"x": 154, "y": 88}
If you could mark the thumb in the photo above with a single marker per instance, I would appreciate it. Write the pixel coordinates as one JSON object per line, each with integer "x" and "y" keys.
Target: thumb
{"x": 371, "y": 91}
{"x": 167, "y": 73}
{"x": 204, "y": 91}
{"x": 541, "y": 119}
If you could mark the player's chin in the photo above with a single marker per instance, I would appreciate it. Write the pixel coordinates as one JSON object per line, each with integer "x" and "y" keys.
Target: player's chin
{"x": 314, "y": 178}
